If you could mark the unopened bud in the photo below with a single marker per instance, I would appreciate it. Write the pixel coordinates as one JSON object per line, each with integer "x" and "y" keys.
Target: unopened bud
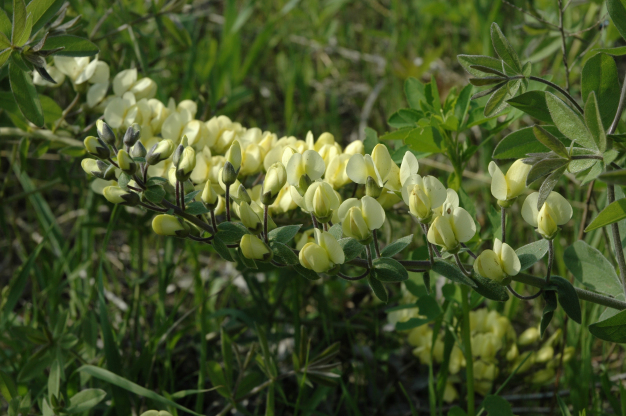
{"x": 186, "y": 164}
{"x": 229, "y": 174}
{"x": 97, "y": 147}
{"x": 254, "y": 249}
{"x": 126, "y": 163}
{"x": 233, "y": 155}
{"x": 160, "y": 151}
{"x": 91, "y": 167}
{"x": 242, "y": 195}
{"x": 105, "y": 132}
{"x": 166, "y": 224}
{"x": 371, "y": 188}
{"x": 133, "y": 133}
{"x": 138, "y": 150}
{"x": 117, "y": 195}
{"x": 249, "y": 218}
{"x": 209, "y": 196}
{"x": 275, "y": 179}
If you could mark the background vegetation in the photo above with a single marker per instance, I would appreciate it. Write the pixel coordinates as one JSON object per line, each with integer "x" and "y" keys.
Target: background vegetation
{"x": 101, "y": 289}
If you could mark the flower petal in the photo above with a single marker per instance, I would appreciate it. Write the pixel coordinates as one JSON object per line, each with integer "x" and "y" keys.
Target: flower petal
{"x": 529, "y": 209}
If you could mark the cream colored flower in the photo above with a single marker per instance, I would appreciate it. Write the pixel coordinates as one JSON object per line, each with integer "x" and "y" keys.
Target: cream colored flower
{"x": 253, "y": 248}
{"x": 555, "y": 211}
{"x": 378, "y": 166}
{"x": 453, "y": 227}
{"x": 323, "y": 255}
{"x": 309, "y": 163}
{"x": 422, "y": 195}
{"x": 498, "y": 264}
{"x": 506, "y": 188}
{"x": 321, "y": 200}
{"x": 360, "y": 217}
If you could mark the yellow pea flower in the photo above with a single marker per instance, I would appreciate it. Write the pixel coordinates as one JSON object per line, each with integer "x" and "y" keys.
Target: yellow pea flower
{"x": 323, "y": 255}
{"x": 117, "y": 195}
{"x": 254, "y": 249}
{"x": 321, "y": 200}
{"x": 498, "y": 264}
{"x": 453, "y": 227}
{"x": 422, "y": 195}
{"x": 165, "y": 224}
{"x": 555, "y": 211}
{"x": 505, "y": 188}
{"x": 360, "y": 217}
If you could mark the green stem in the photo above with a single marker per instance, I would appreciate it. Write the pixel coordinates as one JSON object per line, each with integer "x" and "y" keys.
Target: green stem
{"x": 559, "y": 89}
{"x": 467, "y": 349}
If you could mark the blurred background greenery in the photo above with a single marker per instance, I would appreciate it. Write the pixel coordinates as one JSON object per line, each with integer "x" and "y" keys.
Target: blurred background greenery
{"x": 288, "y": 67}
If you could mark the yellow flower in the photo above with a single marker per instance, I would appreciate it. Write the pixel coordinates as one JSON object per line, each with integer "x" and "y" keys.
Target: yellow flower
{"x": 254, "y": 249}
{"x": 249, "y": 218}
{"x": 528, "y": 337}
{"x": 160, "y": 151}
{"x": 409, "y": 168}
{"x": 360, "y": 217}
{"x": 378, "y": 166}
{"x": 309, "y": 163}
{"x": 321, "y": 200}
{"x": 554, "y": 212}
{"x": 275, "y": 180}
{"x": 498, "y": 264}
{"x": 505, "y": 188}
{"x": 125, "y": 162}
{"x": 97, "y": 147}
{"x": 454, "y": 226}
{"x": 422, "y": 195}
{"x": 323, "y": 255}
{"x": 233, "y": 155}
{"x": 209, "y": 196}
{"x": 165, "y": 224}
{"x": 336, "y": 171}
{"x": 186, "y": 164}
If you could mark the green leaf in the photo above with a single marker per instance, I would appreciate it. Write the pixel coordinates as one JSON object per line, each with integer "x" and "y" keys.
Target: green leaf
{"x": 42, "y": 11}
{"x": 453, "y": 273}
{"x": 612, "y": 329}
{"x": 371, "y": 139}
{"x": 397, "y": 246}
{"x": 5, "y": 43}
{"x": 415, "y": 92}
{"x": 490, "y": 289}
{"x": 306, "y": 273}
{"x": 534, "y": 104}
{"x": 551, "y": 142}
{"x": 467, "y": 61}
{"x": 231, "y": 232}
{"x": 531, "y": 253}
{"x": 220, "y": 248}
{"x": 594, "y": 122}
{"x": 618, "y": 15}
{"x": 544, "y": 168}
{"x": 112, "y": 378}
{"x": 424, "y": 139}
{"x": 568, "y": 298}
{"x": 504, "y": 49}
{"x": 154, "y": 193}
{"x": 619, "y": 51}
{"x": 497, "y": 406}
{"x": 72, "y": 46}
{"x": 190, "y": 196}
{"x": 399, "y": 134}
{"x": 195, "y": 208}
{"x": 351, "y": 248}
{"x": 564, "y": 410}
{"x": 216, "y": 374}
{"x": 377, "y": 287}
{"x": 7, "y": 386}
{"x": 569, "y": 122}
{"x": 591, "y": 268}
{"x": 335, "y": 231}
{"x": 523, "y": 141}
{"x": 4, "y": 57}
{"x": 26, "y": 95}
{"x": 616, "y": 211}
{"x": 406, "y": 117}
{"x": 616, "y": 177}
{"x": 428, "y": 307}
{"x": 389, "y": 270}
{"x": 85, "y": 400}
{"x": 498, "y": 100}
{"x": 284, "y": 234}
{"x": 582, "y": 164}
{"x": 548, "y": 310}
{"x": 284, "y": 253}
{"x": 5, "y": 24}
{"x": 22, "y": 23}
{"x": 244, "y": 261}
{"x": 51, "y": 110}
{"x": 548, "y": 185}
{"x": 463, "y": 103}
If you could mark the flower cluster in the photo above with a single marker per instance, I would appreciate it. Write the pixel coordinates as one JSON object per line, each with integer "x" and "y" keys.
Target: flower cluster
{"x": 497, "y": 350}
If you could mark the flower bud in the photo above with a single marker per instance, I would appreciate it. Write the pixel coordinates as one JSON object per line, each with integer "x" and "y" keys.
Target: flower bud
{"x": 453, "y": 227}
{"x": 133, "y": 133}
{"x": 117, "y": 195}
{"x": 233, "y": 155}
{"x": 156, "y": 413}
{"x": 254, "y": 249}
{"x": 528, "y": 337}
{"x": 105, "y": 132}
{"x": 97, "y": 147}
{"x": 126, "y": 163}
{"x": 322, "y": 256}
{"x": 249, "y": 218}
{"x": 555, "y": 211}
{"x": 186, "y": 164}
{"x": 275, "y": 179}
{"x": 371, "y": 188}
{"x": 360, "y": 217}
{"x": 91, "y": 167}
{"x": 177, "y": 154}
{"x": 138, "y": 150}
{"x": 241, "y": 195}
{"x": 320, "y": 200}
{"x": 160, "y": 151}
{"x": 209, "y": 196}
{"x": 229, "y": 174}
{"x": 498, "y": 264}
{"x": 166, "y": 224}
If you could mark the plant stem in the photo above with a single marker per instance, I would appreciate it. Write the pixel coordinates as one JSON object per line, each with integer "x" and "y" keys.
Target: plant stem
{"x": 563, "y": 45}
{"x": 550, "y": 260}
{"x": 503, "y": 223}
{"x": 266, "y": 208}
{"x": 227, "y": 197}
{"x": 458, "y": 262}
{"x": 177, "y": 196}
{"x": 191, "y": 218}
{"x": 467, "y": 349}
{"x": 368, "y": 251}
{"x": 376, "y": 243}
{"x": 559, "y": 89}
{"x": 213, "y": 222}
